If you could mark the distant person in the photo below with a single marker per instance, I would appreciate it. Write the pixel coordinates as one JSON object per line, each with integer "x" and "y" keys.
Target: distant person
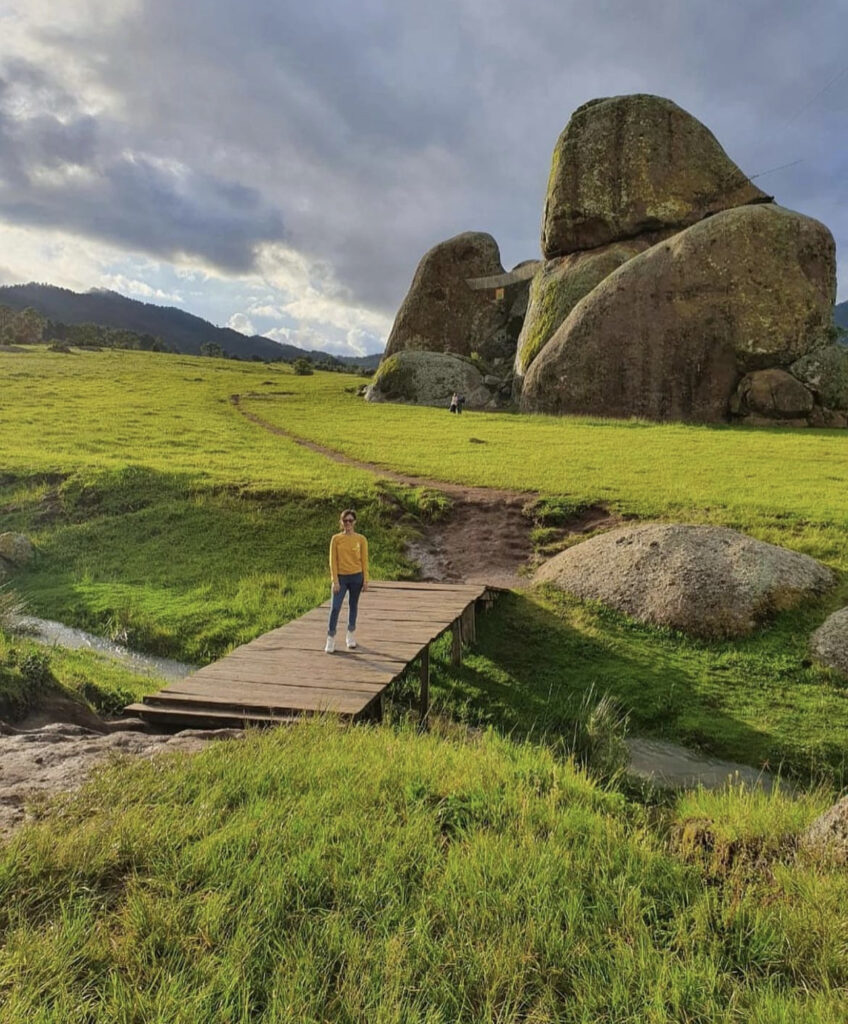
{"x": 460, "y": 401}
{"x": 453, "y": 401}
{"x": 349, "y": 572}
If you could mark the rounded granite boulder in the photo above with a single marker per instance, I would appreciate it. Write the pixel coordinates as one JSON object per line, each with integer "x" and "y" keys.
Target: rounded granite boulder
{"x": 428, "y": 378}
{"x": 825, "y": 371}
{"x": 668, "y": 334}
{"x": 627, "y": 165}
{"x": 441, "y": 313}
{"x": 829, "y": 643}
{"x": 707, "y": 581}
{"x": 558, "y": 286}
{"x": 774, "y": 394}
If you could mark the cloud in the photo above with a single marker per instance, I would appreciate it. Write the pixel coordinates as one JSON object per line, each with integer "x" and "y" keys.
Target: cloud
{"x": 241, "y": 323}
{"x": 319, "y": 150}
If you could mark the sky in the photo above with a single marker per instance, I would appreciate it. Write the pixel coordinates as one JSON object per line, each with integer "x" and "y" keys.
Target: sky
{"x": 281, "y": 167}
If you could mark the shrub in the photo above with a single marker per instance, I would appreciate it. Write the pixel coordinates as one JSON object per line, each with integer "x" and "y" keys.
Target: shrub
{"x": 302, "y": 367}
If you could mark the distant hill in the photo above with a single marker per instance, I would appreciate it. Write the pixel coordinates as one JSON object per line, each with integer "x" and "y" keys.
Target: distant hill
{"x": 180, "y": 330}
{"x": 840, "y": 314}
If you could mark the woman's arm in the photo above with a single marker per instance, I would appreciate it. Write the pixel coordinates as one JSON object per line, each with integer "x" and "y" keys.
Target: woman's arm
{"x": 364, "y": 564}
{"x": 334, "y": 562}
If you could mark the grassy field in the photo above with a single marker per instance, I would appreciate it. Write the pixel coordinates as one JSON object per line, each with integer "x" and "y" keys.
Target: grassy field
{"x": 328, "y": 874}
{"x": 165, "y": 519}
{"x": 323, "y": 874}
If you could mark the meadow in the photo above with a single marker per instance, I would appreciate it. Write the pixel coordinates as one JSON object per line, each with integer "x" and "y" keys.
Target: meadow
{"x": 473, "y": 874}
{"x": 166, "y": 519}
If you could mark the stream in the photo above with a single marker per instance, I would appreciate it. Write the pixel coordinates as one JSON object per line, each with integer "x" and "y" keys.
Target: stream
{"x": 44, "y": 631}
{"x": 664, "y": 764}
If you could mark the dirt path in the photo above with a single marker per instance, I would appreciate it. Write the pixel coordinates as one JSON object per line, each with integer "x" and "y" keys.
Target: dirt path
{"x": 484, "y": 539}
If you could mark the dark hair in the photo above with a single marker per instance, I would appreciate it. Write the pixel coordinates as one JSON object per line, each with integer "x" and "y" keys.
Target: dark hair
{"x": 348, "y": 512}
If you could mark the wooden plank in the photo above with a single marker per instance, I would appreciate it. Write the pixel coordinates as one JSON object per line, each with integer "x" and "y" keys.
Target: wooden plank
{"x": 286, "y": 670}
{"x": 220, "y": 719}
{"x": 191, "y": 701}
{"x": 298, "y": 675}
{"x": 288, "y": 698}
{"x": 231, "y": 684}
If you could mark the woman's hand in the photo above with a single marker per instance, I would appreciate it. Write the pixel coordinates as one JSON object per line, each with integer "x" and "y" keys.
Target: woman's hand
{"x": 365, "y": 585}
{"x": 337, "y": 587}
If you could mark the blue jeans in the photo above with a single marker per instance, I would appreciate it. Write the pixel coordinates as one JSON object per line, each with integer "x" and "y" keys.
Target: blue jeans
{"x": 351, "y": 584}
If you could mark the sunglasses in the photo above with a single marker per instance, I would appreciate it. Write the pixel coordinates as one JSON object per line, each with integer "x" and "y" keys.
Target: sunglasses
{"x": 348, "y": 520}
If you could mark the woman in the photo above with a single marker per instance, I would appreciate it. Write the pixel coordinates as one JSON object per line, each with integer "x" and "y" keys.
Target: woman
{"x": 349, "y": 571}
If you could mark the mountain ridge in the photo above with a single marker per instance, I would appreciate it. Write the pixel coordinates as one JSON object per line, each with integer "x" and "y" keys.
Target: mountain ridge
{"x": 180, "y": 329}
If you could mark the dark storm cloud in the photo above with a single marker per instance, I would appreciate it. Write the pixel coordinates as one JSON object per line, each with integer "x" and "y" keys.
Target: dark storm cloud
{"x": 67, "y": 172}
{"x": 376, "y": 129}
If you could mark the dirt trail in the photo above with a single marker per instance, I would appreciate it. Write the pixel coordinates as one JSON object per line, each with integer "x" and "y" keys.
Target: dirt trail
{"x": 484, "y": 539}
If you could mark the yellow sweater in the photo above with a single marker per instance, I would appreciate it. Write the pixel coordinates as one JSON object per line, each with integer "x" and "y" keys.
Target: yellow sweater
{"x": 348, "y": 554}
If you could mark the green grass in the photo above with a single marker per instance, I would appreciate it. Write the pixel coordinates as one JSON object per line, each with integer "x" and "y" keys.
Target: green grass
{"x": 323, "y": 873}
{"x": 166, "y": 519}
{"x": 326, "y": 874}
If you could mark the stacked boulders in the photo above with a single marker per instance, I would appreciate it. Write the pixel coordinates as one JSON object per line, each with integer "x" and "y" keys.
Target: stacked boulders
{"x": 671, "y": 288}
{"x": 457, "y": 328}
{"x": 723, "y": 306}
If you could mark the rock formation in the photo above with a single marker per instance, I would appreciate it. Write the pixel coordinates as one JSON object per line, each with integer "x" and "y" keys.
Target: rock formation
{"x": 666, "y": 335}
{"x": 442, "y": 313}
{"x": 672, "y": 287}
{"x": 428, "y": 378}
{"x": 15, "y": 549}
{"x": 827, "y": 837}
{"x": 707, "y": 581}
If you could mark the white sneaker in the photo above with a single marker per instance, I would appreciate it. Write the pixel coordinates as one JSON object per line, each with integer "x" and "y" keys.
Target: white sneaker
{"x": 350, "y": 640}
{"x": 330, "y": 645}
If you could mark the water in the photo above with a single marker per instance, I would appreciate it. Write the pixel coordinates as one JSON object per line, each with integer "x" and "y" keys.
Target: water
{"x": 44, "y": 631}
{"x": 671, "y": 766}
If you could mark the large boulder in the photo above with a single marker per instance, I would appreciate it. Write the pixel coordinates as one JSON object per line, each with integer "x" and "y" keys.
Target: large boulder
{"x": 707, "y": 581}
{"x": 829, "y": 643}
{"x": 441, "y": 313}
{"x": 667, "y": 334}
{"x": 428, "y": 378}
{"x": 558, "y": 286}
{"x": 627, "y": 165}
{"x": 774, "y": 394}
{"x": 827, "y": 838}
{"x": 825, "y": 371}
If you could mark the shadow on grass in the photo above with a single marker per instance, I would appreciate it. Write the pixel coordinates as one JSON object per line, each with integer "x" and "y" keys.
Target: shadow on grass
{"x": 757, "y": 701}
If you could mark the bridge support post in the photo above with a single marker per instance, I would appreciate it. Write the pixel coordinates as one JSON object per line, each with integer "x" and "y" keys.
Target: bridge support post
{"x": 456, "y": 642}
{"x": 424, "y": 697}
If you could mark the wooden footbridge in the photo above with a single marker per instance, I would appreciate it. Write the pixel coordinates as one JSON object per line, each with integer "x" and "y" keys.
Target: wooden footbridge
{"x": 286, "y": 673}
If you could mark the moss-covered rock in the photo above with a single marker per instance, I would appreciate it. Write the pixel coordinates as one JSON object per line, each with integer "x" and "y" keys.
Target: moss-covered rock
{"x": 627, "y": 165}
{"x": 441, "y": 313}
{"x": 668, "y": 334}
{"x": 773, "y": 393}
{"x": 557, "y": 288}
{"x": 428, "y": 378}
{"x": 825, "y": 371}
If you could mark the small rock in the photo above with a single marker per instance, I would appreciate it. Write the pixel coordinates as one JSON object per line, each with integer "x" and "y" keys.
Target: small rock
{"x": 827, "y": 837}
{"x": 829, "y": 643}
{"x": 16, "y": 548}
{"x": 774, "y": 394}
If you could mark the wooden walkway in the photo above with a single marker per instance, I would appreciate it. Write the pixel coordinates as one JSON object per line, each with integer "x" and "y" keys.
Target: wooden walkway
{"x": 286, "y": 673}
